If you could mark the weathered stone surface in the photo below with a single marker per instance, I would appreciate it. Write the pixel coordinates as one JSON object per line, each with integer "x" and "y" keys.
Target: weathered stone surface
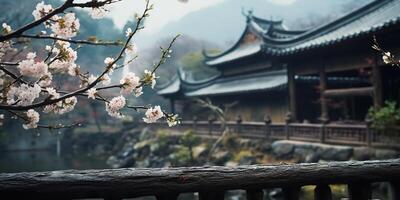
{"x": 311, "y": 152}
{"x": 382, "y": 154}
{"x": 363, "y": 153}
{"x": 337, "y": 153}
{"x": 282, "y": 148}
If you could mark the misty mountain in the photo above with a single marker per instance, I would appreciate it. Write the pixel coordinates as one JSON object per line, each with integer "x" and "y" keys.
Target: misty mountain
{"x": 223, "y": 23}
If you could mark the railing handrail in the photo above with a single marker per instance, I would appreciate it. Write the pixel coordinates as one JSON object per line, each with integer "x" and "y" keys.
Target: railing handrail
{"x": 129, "y": 182}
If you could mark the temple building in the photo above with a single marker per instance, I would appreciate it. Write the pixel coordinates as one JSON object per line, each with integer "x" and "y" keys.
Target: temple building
{"x": 327, "y": 73}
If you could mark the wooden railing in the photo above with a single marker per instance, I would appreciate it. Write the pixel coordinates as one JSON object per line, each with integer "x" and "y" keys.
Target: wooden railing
{"x": 343, "y": 134}
{"x": 210, "y": 183}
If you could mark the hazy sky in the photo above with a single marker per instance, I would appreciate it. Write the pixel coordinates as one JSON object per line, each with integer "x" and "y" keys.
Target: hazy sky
{"x": 165, "y": 11}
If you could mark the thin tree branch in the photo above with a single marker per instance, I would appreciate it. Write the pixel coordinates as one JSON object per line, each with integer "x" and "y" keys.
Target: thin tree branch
{"x": 88, "y": 42}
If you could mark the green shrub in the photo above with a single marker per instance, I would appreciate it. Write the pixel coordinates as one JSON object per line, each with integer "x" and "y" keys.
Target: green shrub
{"x": 386, "y": 116}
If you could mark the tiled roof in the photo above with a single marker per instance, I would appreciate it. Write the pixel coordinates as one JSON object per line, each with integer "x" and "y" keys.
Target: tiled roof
{"x": 240, "y": 49}
{"x": 244, "y": 84}
{"x": 368, "y": 19}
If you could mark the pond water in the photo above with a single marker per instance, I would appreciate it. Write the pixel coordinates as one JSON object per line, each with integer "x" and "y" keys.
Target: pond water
{"x": 30, "y": 161}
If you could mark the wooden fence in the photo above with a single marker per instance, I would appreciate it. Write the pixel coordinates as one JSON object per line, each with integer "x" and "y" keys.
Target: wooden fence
{"x": 342, "y": 134}
{"x": 211, "y": 183}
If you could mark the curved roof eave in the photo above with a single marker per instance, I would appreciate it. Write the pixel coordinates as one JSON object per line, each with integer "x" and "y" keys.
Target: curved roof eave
{"x": 325, "y": 28}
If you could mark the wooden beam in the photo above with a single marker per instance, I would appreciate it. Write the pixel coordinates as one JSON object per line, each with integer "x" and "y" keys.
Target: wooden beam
{"x": 292, "y": 93}
{"x": 377, "y": 85}
{"x": 360, "y": 91}
{"x": 131, "y": 182}
{"x": 323, "y": 86}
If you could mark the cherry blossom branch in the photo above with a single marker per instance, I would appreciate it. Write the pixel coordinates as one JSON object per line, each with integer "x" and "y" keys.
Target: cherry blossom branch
{"x": 387, "y": 57}
{"x": 88, "y": 42}
{"x": 67, "y": 4}
{"x": 45, "y": 126}
{"x": 91, "y": 85}
{"x": 61, "y": 59}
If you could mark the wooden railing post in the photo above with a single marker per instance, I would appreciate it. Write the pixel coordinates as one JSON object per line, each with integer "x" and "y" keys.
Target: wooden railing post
{"x": 239, "y": 124}
{"x": 194, "y": 125}
{"x": 322, "y": 192}
{"x": 210, "y": 121}
{"x": 360, "y": 191}
{"x": 394, "y": 191}
{"x": 210, "y": 195}
{"x": 287, "y": 120}
{"x": 267, "y": 121}
{"x": 255, "y": 194}
{"x": 291, "y": 193}
{"x": 368, "y": 122}
{"x": 322, "y": 135}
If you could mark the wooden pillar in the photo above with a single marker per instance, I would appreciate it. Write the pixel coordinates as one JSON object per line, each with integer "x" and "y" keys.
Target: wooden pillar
{"x": 377, "y": 85}
{"x": 323, "y": 86}
{"x": 322, "y": 192}
{"x": 360, "y": 191}
{"x": 255, "y": 194}
{"x": 292, "y": 92}
{"x": 291, "y": 193}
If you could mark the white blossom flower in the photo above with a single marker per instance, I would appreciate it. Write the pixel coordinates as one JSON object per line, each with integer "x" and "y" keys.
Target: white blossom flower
{"x": 153, "y": 114}
{"x": 92, "y": 93}
{"x": 31, "y": 55}
{"x": 6, "y": 28}
{"x": 98, "y": 13}
{"x": 62, "y": 107}
{"x": 105, "y": 80}
{"x": 33, "y": 118}
{"x": 73, "y": 70}
{"x": 29, "y": 67}
{"x": 173, "y": 120}
{"x": 46, "y": 80}
{"x": 387, "y": 57}
{"x": 131, "y": 50}
{"x": 66, "y": 58}
{"x": 150, "y": 78}
{"x": 67, "y": 26}
{"x": 115, "y": 105}
{"x": 23, "y": 95}
{"x": 53, "y": 93}
{"x": 41, "y": 10}
{"x": 109, "y": 60}
{"x": 128, "y": 32}
{"x": 92, "y": 78}
{"x": 138, "y": 91}
{"x": 129, "y": 83}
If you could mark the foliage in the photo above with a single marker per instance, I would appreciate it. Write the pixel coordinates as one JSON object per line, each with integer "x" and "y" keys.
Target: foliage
{"x": 194, "y": 64}
{"x": 189, "y": 139}
{"x": 386, "y": 116}
{"x": 181, "y": 157}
